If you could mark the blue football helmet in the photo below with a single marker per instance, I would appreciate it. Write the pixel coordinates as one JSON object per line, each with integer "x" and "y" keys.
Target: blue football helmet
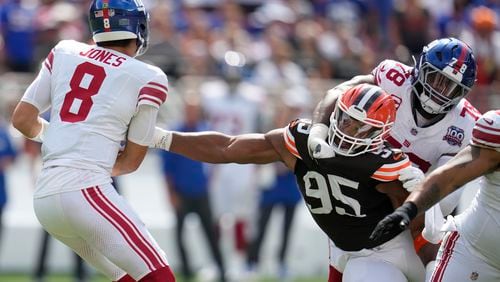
{"x": 112, "y": 20}
{"x": 444, "y": 74}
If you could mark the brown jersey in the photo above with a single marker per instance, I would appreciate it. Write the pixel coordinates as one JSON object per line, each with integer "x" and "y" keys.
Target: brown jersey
{"x": 340, "y": 192}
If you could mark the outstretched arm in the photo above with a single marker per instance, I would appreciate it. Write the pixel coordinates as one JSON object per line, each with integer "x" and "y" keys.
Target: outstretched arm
{"x": 215, "y": 147}
{"x": 467, "y": 165}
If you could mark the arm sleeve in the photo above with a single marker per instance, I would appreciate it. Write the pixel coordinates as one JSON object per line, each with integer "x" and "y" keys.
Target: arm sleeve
{"x": 450, "y": 202}
{"x": 38, "y": 93}
{"x": 142, "y": 125}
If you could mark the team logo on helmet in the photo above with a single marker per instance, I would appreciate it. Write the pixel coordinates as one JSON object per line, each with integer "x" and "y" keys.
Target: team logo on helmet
{"x": 454, "y": 136}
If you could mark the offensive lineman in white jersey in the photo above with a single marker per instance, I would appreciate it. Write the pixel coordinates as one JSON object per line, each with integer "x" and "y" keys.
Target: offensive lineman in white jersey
{"x": 433, "y": 123}
{"x": 99, "y": 95}
{"x": 470, "y": 251}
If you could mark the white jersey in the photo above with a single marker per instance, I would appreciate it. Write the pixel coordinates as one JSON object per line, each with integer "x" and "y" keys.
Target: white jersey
{"x": 423, "y": 145}
{"x": 480, "y": 223}
{"x": 94, "y": 93}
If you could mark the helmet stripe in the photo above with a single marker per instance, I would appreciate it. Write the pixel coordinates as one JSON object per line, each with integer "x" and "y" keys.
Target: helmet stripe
{"x": 461, "y": 58}
{"x": 368, "y": 99}
{"x": 105, "y": 15}
{"x": 358, "y": 95}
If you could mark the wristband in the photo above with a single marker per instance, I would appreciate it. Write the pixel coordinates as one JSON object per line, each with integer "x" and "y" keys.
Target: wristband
{"x": 411, "y": 209}
{"x": 162, "y": 139}
{"x": 419, "y": 242}
{"x": 40, "y": 136}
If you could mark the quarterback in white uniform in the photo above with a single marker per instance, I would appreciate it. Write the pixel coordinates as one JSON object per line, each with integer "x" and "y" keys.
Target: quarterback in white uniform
{"x": 470, "y": 251}
{"x": 433, "y": 122}
{"x": 98, "y": 95}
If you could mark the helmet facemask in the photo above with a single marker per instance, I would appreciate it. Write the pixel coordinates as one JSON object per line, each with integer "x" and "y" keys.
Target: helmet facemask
{"x": 437, "y": 92}
{"x": 351, "y": 133}
{"x": 444, "y": 75}
{"x": 142, "y": 36}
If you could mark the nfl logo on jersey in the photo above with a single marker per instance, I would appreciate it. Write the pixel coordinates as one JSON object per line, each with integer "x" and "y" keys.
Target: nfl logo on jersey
{"x": 454, "y": 136}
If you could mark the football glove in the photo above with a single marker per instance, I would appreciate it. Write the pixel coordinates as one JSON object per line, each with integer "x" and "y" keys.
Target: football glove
{"x": 399, "y": 219}
{"x": 318, "y": 147}
{"x": 411, "y": 177}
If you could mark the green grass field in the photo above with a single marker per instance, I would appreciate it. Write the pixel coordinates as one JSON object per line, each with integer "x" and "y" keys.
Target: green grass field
{"x": 98, "y": 278}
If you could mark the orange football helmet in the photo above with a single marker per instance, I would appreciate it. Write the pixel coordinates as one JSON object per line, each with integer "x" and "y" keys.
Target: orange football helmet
{"x": 362, "y": 118}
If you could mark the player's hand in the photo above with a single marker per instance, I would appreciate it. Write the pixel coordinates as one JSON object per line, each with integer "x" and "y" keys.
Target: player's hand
{"x": 397, "y": 220}
{"x": 318, "y": 147}
{"x": 411, "y": 177}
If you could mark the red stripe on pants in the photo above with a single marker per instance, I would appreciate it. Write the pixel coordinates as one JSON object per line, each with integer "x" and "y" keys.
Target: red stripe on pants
{"x": 438, "y": 273}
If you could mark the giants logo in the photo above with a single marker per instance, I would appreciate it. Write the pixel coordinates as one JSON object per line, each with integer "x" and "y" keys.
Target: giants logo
{"x": 454, "y": 136}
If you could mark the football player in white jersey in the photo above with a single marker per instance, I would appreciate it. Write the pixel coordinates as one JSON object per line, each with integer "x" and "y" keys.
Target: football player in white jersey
{"x": 98, "y": 95}
{"x": 434, "y": 120}
{"x": 470, "y": 250}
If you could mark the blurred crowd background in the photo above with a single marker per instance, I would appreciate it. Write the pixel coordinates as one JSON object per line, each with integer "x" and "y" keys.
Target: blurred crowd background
{"x": 241, "y": 66}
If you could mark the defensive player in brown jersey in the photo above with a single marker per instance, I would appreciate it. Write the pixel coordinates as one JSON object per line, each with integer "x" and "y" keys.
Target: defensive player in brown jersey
{"x": 346, "y": 194}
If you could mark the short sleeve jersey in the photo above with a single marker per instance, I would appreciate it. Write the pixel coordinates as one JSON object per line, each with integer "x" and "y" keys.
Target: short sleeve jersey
{"x": 94, "y": 93}
{"x": 486, "y": 134}
{"x": 480, "y": 223}
{"x": 340, "y": 192}
{"x": 423, "y": 145}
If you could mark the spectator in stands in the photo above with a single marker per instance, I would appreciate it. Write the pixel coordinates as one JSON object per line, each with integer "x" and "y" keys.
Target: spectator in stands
{"x": 413, "y": 25}
{"x": 279, "y": 71}
{"x": 18, "y": 31}
{"x": 484, "y": 39}
{"x": 164, "y": 51}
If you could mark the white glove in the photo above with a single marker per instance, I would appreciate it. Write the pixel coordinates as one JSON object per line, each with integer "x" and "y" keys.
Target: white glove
{"x": 318, "y": 147}
{"x": 162, "y": 139}
{"x": 411, "y": 177}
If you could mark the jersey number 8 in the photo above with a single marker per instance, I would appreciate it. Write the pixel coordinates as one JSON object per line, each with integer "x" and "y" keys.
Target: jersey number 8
{"x": 78, "y": 101}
